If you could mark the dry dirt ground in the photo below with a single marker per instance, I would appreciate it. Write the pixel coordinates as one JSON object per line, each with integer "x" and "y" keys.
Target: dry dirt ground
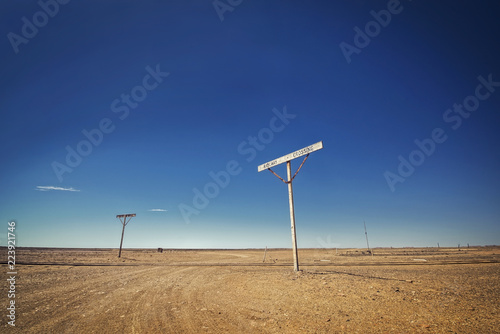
{"x": 409, "y": 290}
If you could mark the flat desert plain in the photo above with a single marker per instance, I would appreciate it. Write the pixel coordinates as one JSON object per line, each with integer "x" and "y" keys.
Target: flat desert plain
{"x": 405, "y": 290}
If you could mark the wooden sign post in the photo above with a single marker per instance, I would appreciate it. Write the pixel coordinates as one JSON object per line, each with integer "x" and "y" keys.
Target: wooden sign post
{"x": 124, "y": 223}
{"x": 287, "y": 158}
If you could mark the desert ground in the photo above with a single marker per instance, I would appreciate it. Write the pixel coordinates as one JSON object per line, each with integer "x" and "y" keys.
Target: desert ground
{"x": 405, "y": 290}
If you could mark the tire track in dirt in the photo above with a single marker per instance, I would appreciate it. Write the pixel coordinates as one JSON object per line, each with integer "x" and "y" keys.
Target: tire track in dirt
{"x": 93, "y": 302}
{"x": 121, "y": 299}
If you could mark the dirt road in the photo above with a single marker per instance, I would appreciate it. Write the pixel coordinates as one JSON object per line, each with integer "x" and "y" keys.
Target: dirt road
{"x": 234, "y": 292}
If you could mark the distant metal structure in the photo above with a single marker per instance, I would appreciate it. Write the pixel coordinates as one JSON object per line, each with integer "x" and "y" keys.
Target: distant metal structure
{"x": 124, "y": 223}
{"x": 366, "y": 235}
{"x": 287, "y": 158}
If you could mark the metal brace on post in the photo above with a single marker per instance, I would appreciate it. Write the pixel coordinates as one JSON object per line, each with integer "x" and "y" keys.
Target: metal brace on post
{"x": 287, "y": 158}
{"x": 124, "y": 223}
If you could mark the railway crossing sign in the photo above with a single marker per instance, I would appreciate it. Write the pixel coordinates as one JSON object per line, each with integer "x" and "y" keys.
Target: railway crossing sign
{"x": 288, "y": 158}
{"x": 291, "y": 156}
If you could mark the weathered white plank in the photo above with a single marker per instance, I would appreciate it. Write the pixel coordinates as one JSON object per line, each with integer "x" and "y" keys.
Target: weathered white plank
{"x": 291, "y": 156}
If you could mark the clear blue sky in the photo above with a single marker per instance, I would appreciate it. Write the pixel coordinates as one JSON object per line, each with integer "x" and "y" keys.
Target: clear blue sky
{"x": 172, "y": 91}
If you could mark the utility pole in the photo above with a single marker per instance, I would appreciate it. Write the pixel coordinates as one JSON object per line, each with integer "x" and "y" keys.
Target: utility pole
{"x": 292, "y": 216}
{"x": 124, "y": 223}
{"x": 287, "y": 158}
{"x": 366, "y": 235}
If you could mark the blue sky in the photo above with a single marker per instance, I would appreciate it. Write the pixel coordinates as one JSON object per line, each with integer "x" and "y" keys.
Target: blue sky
{"x": 132, "y": 107}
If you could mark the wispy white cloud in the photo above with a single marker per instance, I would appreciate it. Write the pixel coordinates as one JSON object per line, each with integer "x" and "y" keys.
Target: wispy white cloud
{"x": 48, "y": 188}
{"x": 158, "y": 210}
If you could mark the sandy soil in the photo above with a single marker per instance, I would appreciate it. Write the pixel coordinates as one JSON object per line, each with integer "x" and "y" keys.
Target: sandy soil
{"x": 233, "y": 291}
